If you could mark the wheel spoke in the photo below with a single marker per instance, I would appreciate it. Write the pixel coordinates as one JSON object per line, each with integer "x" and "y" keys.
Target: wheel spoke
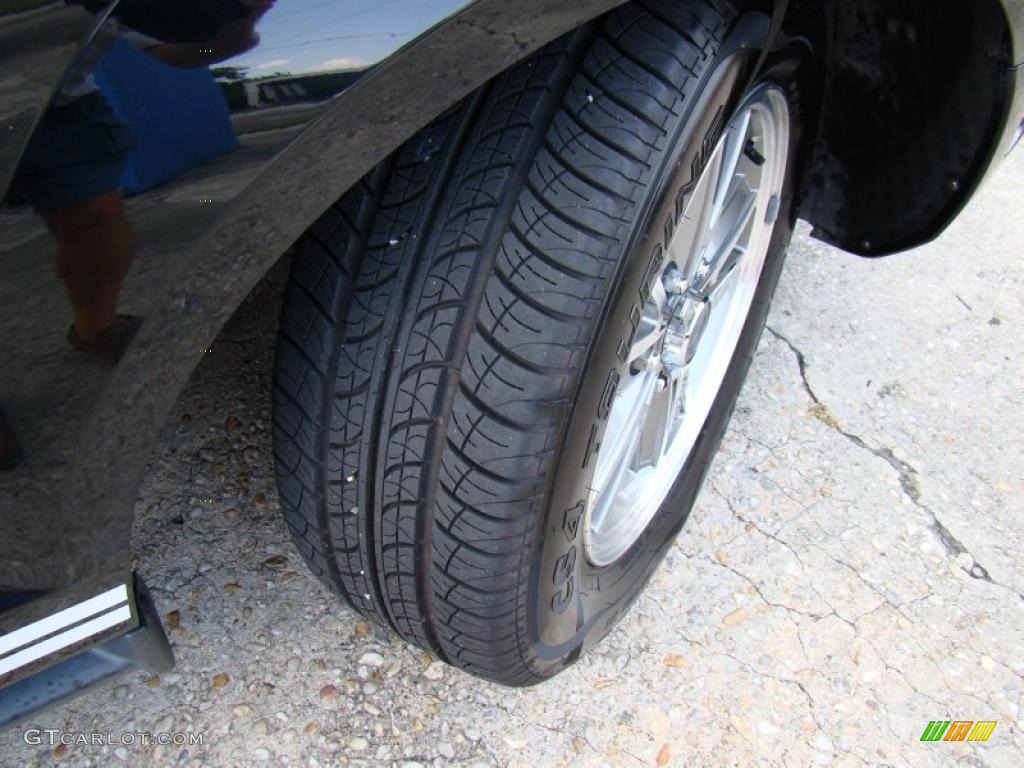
{"x": 678, "y": 381}
{"x": 648, "y": 334}
{"x": 654, "y": 432}
{"x": 689, "y": 241}
{"x": 625, "y": 424}
{"x": 736, "y": 140}
{"x": 725, "y": 253}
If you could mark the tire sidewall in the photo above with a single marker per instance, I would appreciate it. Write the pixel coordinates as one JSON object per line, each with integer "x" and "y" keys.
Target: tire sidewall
{"x": 574, "y": 603}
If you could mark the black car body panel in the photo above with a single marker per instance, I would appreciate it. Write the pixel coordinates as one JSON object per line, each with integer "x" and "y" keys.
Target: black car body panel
{"x": 330, "y": 91}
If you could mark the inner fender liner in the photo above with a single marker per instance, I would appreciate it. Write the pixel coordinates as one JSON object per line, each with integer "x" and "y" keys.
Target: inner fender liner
{"x": 915, "y": 96}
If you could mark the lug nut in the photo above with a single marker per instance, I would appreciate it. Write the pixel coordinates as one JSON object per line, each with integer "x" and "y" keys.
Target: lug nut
{"x": 675, "y": 282}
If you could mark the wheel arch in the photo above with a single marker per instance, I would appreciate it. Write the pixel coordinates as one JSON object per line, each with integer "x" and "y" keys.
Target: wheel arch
{"x": 914, "y": 107}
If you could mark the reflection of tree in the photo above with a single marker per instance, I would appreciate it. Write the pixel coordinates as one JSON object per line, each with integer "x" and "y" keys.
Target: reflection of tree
{"x": 229, "y": 73}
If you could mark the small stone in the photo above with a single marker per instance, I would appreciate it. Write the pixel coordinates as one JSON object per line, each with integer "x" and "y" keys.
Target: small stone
{"x": 767, "y": 728}
{"x": 514, "y": 740}
{"x": 446, "y": 749}
{"x": 658, "y": 725}
{"x": 173, "y": 619}
{"x": 663, "y": 755}
{"x": 259, "y": 500}
{"x": 153, "y": 681}
{"x": 435, "y": 671}
{"x": 358, "y": 744}
{"x": 261, "y": 753}
{"x": 362, "y": 628}
{"x": 60, "y": 750}
{"x": 241, "y": 710}
{"x": 372, "y": 709}
{"x": 232, "y": 587}
{"x": 674, "y": 660}
{"x": 371, "y": 659}
{"x": 736, "y": 617}
{"x": 311, "y": 727}
{"x": 220, "y": 680}
{"x": 329, "y": 693}
{"x": 121, "y": 753}
{"x": 276, "y": 561}
{"x": 823, "y": 742}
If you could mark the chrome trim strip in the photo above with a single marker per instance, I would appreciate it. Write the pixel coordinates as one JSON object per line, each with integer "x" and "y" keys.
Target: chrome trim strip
{"x": 63, "y": 619}
{"x": 64, "y": 639}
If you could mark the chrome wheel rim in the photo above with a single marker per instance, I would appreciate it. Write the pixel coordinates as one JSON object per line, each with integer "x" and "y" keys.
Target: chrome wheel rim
{"x": 690, "y": 327}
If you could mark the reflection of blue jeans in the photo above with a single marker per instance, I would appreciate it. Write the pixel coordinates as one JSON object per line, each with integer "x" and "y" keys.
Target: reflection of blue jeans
{"x": 79, "y": 151}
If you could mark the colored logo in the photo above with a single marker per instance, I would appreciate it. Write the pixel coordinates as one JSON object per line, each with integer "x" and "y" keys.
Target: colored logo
{"x": 958, "y": 730}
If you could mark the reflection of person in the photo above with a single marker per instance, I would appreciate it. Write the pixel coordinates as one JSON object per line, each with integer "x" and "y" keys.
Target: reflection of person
{"x": 72, "y": 167}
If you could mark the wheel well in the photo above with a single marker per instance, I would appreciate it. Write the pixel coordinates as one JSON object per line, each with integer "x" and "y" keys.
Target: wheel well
{"x": 914, "y": 97}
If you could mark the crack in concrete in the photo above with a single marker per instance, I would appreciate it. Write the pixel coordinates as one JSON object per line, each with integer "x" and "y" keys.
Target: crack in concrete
{"x": 907, "y": 474}
{"x": 786, "y": 545}
{"x": 772, "y": 604}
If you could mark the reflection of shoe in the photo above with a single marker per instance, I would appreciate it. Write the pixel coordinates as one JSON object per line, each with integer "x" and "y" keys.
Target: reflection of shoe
{"x": 10, "y": 451}
{"x": 110, "y": 343}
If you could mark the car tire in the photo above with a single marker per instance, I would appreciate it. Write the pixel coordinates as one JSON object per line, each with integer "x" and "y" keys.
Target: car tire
{"x": 456, "y": 330}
